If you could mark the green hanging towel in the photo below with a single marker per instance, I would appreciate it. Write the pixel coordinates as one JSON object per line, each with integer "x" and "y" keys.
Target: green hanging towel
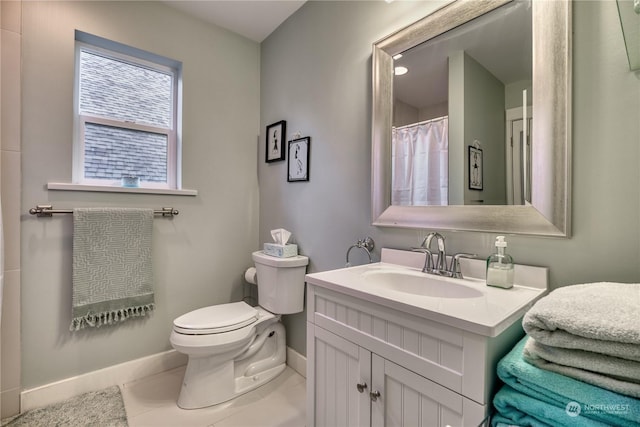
{"x": 112, "y": 274}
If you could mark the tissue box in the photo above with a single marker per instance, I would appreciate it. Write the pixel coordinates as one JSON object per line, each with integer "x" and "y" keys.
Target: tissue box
{"x": 280, "y": 251}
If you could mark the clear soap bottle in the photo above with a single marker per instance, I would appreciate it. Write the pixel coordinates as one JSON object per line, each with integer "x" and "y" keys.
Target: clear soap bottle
{"x": 500, "y": 266}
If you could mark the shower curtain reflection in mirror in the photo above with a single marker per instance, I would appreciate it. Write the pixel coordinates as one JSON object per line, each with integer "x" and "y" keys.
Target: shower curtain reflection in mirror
{"x": 420, "y": 163}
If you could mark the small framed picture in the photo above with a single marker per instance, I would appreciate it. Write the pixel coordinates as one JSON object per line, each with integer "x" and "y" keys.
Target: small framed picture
{"x": 475, "y": 168}
{"x": 276, "y": 135}
{"x": 298, "y": 165}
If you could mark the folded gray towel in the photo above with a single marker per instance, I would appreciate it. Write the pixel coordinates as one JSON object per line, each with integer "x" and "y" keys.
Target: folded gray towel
{"x": 598, "y": 317}
{"x": 611, "y": 373}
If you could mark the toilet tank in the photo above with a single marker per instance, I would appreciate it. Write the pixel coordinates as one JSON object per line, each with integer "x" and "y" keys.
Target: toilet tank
{"x": 280, "y": 282}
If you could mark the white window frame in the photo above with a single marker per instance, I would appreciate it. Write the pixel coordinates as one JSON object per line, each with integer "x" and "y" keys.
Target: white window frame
{"x": 113, "y": 50}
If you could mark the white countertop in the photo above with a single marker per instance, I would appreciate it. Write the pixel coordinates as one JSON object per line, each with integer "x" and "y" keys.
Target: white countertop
{"x": 488, "y": 314}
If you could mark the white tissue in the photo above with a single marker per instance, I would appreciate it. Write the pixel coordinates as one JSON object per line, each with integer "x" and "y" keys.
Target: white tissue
{"x": 280, "y": 248}
{"x": 280, "y": 236}
{"x": 250, "y": 275}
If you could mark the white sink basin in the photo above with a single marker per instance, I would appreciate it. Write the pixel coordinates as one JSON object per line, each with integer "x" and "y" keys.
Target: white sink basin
{"x": 420, "y": 284}
{"x": 397, "y": 282}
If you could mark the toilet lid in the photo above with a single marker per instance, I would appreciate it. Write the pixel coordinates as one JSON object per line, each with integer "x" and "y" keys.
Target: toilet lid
{"x": 216, "y": 319}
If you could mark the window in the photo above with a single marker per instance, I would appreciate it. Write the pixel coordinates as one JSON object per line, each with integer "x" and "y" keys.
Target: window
{"x": 126, "y": 115}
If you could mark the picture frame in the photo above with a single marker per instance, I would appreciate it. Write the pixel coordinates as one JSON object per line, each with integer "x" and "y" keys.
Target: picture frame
{"x": 298, "y": 163}
{"x": 274, "y": 142}
{"x": 475, "y": 168}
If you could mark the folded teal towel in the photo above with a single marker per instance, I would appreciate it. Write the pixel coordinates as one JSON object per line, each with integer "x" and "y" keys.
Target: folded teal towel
{"x": 518, "y": 409}
{"x": 560, "y": 391}
{"x": 112, "y": 275}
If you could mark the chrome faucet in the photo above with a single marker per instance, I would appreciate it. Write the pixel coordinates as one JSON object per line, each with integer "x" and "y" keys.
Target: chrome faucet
{"x": 440, "y": 266}
{"x": 425, "y": 247}
{"x": 441, "y": 260}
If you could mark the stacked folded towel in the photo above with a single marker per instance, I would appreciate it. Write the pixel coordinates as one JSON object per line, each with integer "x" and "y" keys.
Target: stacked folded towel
{"x": 579, "y": 363}
{"x": 532, "y": 397}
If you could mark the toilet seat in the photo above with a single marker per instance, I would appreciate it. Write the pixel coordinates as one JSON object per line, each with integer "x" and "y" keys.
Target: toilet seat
{"x": 217, "y": 341}
{"x": 216, "y": 319}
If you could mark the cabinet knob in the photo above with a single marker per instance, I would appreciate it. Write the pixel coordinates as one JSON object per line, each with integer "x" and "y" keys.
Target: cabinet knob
{"x": 361, "y": 387}
{"x": 374, "y": 395}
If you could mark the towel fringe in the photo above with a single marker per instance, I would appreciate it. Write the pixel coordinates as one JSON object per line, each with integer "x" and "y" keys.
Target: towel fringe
{"x": 96, "y": 320}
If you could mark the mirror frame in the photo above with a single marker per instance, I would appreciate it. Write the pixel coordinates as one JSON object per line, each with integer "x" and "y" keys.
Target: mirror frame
{"x": 549, "y": 213}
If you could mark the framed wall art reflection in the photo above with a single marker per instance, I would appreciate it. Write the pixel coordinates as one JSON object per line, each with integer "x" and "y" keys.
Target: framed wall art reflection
{"x": 298, "y": 164}
{"x": 274, "y": 144}
{"x": 475, "y": 168}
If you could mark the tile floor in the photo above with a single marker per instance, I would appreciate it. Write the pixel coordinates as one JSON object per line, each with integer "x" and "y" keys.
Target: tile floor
{"x": 151, "y": 402}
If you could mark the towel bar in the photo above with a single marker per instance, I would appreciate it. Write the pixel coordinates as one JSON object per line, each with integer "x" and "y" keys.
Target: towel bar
{"x": 47, "y": 210}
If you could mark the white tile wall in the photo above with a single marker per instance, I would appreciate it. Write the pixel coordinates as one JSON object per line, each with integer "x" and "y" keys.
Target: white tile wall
{"x": 11, "y": 15}
{"x": 10, "y": 89}
{"x": 10, "y": 181}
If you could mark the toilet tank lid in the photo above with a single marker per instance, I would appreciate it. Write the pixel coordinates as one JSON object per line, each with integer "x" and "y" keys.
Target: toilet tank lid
{"x": 260, "y": 257}
{"x": 218, "y": 317}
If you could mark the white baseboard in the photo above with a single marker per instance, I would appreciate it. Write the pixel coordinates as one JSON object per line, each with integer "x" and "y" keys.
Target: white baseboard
{"x": 297, "y": 362}
{"x": 102, "y": 378}
{"x": 121, "y": 374}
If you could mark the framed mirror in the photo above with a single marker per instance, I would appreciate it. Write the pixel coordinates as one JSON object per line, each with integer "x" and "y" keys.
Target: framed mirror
{"x": 475, "y": 200}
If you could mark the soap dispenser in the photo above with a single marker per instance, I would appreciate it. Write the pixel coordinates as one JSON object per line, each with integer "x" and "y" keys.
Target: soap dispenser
{"x": 500, "y": 266}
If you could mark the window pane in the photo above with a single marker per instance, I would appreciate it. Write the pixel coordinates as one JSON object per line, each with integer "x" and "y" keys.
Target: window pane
{"x": 115, "y": 89}
{"x": 111, "y": 153}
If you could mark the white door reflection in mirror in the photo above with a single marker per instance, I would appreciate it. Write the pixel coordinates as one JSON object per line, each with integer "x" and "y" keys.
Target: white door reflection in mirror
{"x": 518, "y": 158}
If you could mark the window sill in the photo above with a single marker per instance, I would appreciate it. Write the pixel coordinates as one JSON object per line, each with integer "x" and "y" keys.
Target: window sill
{"x": 114, "y": 189}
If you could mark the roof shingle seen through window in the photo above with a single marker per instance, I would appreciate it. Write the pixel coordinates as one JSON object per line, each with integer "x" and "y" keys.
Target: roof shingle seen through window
{"x": 116, "y": 89}
{"x": 111, "y": 153}
{"x": 122, "y": 91}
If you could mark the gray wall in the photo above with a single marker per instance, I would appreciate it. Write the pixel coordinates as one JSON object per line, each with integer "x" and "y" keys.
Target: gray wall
{"x": 200, "y": 255}
{"x": 457, "y": 119}
{"x": 484, "y": 120}
{"x": 513, "y": 94}
{"x": 316, "y": 75}
{"x": 476, "y": 112}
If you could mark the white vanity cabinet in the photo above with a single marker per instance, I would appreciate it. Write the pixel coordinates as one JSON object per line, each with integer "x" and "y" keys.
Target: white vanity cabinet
{"x": 426, "y": 373}
{"x": 354, "y": 387}
{"x": 339, "y": 367}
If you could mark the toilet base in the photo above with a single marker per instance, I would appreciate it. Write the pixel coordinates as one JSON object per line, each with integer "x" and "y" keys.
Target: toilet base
{"x": 210, "y": 381}
{"x": 246, "y": 384}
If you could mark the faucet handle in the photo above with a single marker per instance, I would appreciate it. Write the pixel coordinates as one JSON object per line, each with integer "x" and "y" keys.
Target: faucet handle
{"x": 454, "y": 268}
{"x": 422, "y": 250}
{"x": 428, "y": 261}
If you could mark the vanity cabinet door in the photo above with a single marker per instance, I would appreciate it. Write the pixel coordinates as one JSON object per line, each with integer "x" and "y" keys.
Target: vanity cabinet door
{"x": 338, "y": 378}
{"x": 408, "y": 399}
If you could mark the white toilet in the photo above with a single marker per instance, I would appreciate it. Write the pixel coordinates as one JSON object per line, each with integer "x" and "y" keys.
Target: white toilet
{"x": 234, "y": 348}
